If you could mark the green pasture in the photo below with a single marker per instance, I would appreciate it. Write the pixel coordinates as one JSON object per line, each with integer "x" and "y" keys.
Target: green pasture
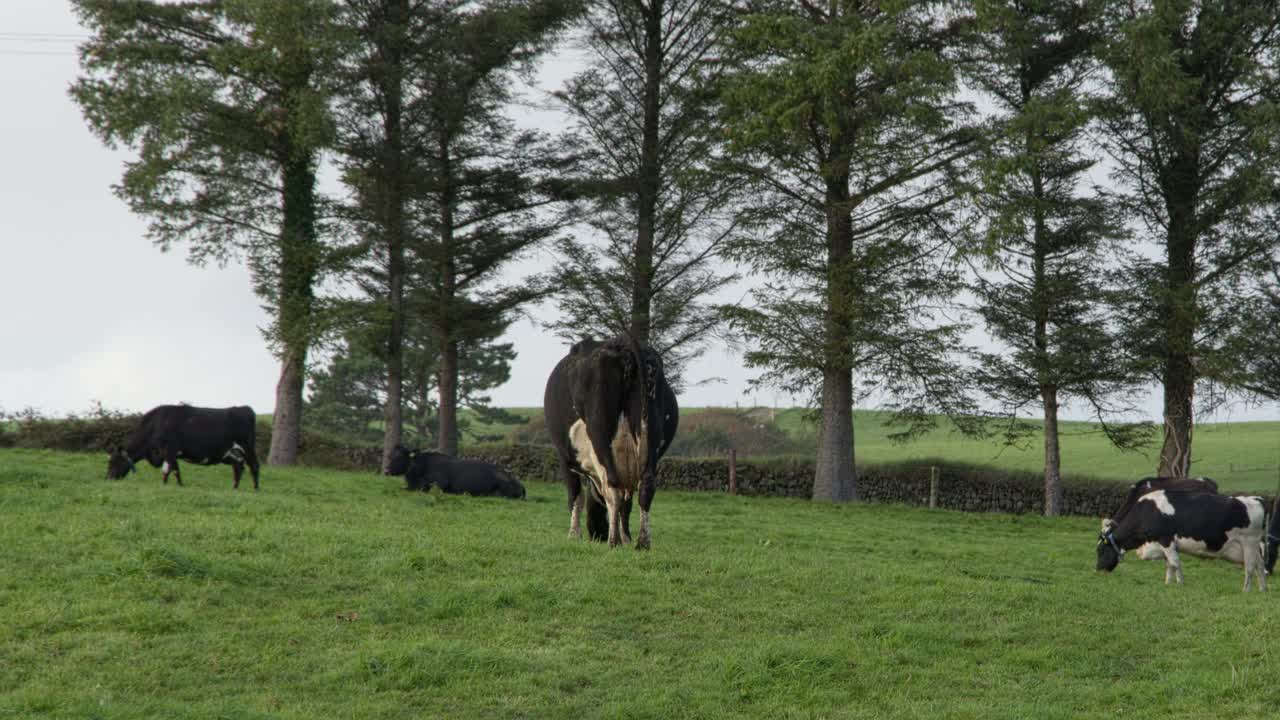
{"x": 1241, "y": 456}
{"x": 339, "y": 595}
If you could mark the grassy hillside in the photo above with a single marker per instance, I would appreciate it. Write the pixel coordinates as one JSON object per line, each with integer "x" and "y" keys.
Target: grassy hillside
{"x": 1242, "y": 456}
{"x": 332, "y": 594}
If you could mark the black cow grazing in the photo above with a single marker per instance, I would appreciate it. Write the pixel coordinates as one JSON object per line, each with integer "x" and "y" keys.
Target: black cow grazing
{"x": 204, "y": 436}
{"x": 1199, "y": 523}
{"x": 611, "y": 415}
{"x": 422, "y": 468}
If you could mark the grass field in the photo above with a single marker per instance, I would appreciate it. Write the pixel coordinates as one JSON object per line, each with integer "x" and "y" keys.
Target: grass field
{"x": 338, "y": 595}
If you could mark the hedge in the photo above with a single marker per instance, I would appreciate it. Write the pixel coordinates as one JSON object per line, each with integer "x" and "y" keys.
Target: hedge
{"x": 970, "y": 488}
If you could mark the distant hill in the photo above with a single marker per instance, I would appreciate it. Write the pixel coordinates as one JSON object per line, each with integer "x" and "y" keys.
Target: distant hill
{"x": 1244, "y": 456}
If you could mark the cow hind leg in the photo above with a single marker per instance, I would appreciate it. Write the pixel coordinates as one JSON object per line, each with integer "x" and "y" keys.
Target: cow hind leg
{"x": 624, "y": 519}
{"x": 644, "y": 540}
{"x": 613, "y": 503}
{"x": 1254, "y": 566}
{"x": 252, "y": 459}
{"x": 1172, "y": 563}
{"x": 575, "y": 515}
{"x": 237, "y": 469}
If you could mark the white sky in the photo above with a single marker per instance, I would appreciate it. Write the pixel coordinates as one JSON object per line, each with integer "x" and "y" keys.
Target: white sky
{"x": 93, "y": 311}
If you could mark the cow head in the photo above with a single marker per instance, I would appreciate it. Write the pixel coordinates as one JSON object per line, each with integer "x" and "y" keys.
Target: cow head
{"x": 1109, "y": 551}
{"x": 401, "y": 459}
{"x": 119, "y": 464}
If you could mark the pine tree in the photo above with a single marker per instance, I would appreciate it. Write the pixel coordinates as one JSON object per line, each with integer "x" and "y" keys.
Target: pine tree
{"x": 226, "y": 105}
{"x": 491, "y": 192}
{"x": 1043, "y": 295}
{"x": 643, "y": 113}
{"x": 843, "y": 117}
{"x": 1191, "y": 122}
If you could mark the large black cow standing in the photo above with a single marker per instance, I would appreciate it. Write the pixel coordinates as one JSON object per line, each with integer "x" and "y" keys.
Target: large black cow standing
{"x": 611, "y": 415}
{"x": 1198, "y": 523}
{"x": 204, "y": 436}
{"x": 457, "y": 476}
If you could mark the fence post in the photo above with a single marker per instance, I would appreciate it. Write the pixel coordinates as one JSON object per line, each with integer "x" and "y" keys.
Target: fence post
{"x": 933, "y": 486}
{"x": 733, "y": 471}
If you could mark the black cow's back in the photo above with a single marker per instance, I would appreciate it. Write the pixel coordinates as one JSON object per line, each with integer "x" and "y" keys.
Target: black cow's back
{"x": 200, "y": 435}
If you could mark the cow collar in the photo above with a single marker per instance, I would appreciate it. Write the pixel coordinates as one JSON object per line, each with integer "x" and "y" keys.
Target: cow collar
{"x": 1110, "y": 537}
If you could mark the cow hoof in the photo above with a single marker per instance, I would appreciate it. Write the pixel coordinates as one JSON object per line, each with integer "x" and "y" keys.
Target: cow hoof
{"x": 642, "y": 544}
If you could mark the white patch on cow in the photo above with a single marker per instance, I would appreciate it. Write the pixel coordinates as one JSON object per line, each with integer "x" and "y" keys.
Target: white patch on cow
{"x": 1160, "y": 500}
{"x": 235, "y": 453}
{"x": 1257, "y": 511}
{"x": 629, "y": 454}
{"x": 165, "y": 467}
{"x": 587, "y": 455}
{"x": 1149, "y": 551}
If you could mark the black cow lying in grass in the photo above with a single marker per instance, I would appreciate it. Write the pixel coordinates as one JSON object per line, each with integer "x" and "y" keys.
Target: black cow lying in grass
{"x": 424, "y": 468}
{"x": 204, "y": 436}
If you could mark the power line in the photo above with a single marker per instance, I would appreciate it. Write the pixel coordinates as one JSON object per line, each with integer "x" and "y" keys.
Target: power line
{"x": 64, "y": 53}
{"x": 49, "y": 37}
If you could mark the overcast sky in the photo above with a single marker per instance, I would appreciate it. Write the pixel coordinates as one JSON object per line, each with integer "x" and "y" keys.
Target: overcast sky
{"x": 94, "y": 312}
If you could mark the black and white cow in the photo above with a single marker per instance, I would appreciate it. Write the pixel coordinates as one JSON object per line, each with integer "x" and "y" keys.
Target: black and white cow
{"x": 1197, "y": 523}
{"x": 423, "y": 468}
{"x": 611, "y": 415}
{"x": 1151, "y": 550}
{"x": 204, "y": 436}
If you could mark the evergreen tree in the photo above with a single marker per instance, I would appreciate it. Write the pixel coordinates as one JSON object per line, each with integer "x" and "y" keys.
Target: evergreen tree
{"x": 379, "y": 166}
{"x": 1043, "y": 293}
{"x": 491, "y": 192}
{"x": 226, "y": 104}
{"x": 843, "y": 117}
{"x": 1191, "y": 122}
{"x": 643, "y": 114}
{"x": 348, "y": 395}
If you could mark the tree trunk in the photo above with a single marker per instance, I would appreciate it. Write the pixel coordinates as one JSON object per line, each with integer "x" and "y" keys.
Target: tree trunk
{"x": 649, "y": 178}
{"x": 1179, "y": 316}
{"x": 1052, "y": 456}
{"x": 447, "y": 443}
{"x": 286, "y": 423}
{"x": 1179, "y": 391}
{"x": 298, "y": 265}
{"x": 394, "y": 218}
{"x": 835, "y": 478}
{"x": 449, "y": 397}
{"x": 1040, "y": 302}
{"x": 393, "y": 413}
